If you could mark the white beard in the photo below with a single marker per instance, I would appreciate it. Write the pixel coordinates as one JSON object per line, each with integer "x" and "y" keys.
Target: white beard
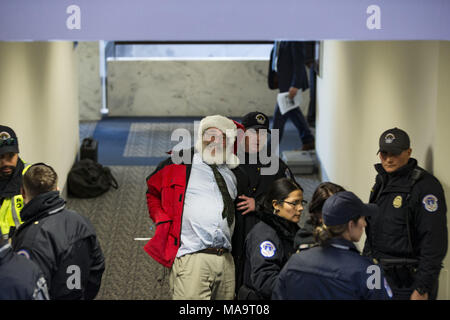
{"x": 215, "y": 154}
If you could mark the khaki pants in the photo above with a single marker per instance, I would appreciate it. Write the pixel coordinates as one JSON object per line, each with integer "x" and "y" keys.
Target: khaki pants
{"x": 202, "y": 276}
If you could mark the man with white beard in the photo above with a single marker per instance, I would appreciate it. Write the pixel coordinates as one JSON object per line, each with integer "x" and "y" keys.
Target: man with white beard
{"x": 191, "y": 202}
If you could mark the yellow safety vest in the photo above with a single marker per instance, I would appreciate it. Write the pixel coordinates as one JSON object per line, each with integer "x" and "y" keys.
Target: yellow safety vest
{"x": 10, "y": 211}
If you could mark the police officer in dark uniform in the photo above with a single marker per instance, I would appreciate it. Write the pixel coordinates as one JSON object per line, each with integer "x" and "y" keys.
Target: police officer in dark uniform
{"x": 61, "y": 242}
{"x": 270, "y": 242}
{"x": 409, "y": 235}
{"x": 335, "y": 270}
{"x": 20, "y": 278}
{"x": 257, "y": 182}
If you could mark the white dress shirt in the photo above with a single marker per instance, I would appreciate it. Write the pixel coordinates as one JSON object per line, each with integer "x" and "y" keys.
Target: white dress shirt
{"x": 202, "y": 223}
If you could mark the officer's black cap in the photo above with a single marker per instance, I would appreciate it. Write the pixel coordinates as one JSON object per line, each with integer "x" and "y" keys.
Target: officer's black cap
{"x": 256, "y": 120}
{"x": 394, "y": 141}
{"x": 8, "y": 140}
{"x": 343, "y": 206}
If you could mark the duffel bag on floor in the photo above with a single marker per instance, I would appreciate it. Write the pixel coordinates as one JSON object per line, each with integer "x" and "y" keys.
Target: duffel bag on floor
{"x": 89, "y": 179}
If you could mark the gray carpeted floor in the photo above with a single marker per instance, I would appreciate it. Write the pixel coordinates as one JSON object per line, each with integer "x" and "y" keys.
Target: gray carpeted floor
{"x": 119, "y": 217}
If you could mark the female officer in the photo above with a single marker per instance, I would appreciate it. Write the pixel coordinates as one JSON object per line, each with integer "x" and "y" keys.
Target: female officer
{"x": 270, "y": 242}
{"x": 304, "y": 238}
{"x": 335, "y": 269}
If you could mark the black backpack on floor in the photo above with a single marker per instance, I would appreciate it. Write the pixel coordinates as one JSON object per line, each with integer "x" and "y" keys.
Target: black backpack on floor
{"x": 89, "y": 179}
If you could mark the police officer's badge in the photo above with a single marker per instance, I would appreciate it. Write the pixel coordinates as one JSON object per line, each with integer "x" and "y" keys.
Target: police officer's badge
{"x": 389, "y": 138}
{"x": 397, "y": 203}
{"x": 4, "y": 135}
{"x": 267, "y": 249}
{"x": 260, "y": 118}
{"x": 430, "y": 203}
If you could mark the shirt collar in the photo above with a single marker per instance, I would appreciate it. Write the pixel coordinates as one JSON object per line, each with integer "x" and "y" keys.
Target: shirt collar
{"x": 343, "y": 244}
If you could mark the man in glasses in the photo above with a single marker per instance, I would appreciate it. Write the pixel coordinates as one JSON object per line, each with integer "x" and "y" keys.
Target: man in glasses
{"x": 259, "y": 181}
{"x": 409, "y": 235}
{"x": 11, "y": 170}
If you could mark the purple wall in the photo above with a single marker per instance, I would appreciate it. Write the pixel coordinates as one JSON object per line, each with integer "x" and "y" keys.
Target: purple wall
{"x": 224, "y": 20}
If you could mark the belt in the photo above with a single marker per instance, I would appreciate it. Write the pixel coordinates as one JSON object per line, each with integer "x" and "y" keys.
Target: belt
{"x": 217, "y": 251}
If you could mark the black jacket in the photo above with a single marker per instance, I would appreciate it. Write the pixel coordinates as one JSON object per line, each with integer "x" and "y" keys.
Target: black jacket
{"x": 253, "y": 185}
{"x": 268, "y": 247}
{"x": 20, "y": 278}
{"x": 291, "y": 71}
{"x": 333, "y": 272}
{"x": 422, "y": 208}
{"x": 304, "y": 238}
{"x": 63, "y": 244}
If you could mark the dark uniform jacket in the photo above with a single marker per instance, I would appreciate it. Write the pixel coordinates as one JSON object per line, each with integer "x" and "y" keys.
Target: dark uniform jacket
{"x": 20, "y": 278}
{"x": 253, "y": 185}
{"x": 291, "y": 71}
{"x": 333, "y": 272}
{"x": 421, "y": 208}
{"x": 63, "y": 244}
{"x": 304, "y": 238}
{"x": 268, "y": 247}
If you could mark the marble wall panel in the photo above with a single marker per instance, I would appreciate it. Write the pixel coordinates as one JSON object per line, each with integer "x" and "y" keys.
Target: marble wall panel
{"x": 161, "y": 87}
{"x": 89, "y": 82}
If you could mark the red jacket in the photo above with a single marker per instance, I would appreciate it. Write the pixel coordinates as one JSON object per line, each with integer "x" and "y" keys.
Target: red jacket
{"x": 165, "y": 201}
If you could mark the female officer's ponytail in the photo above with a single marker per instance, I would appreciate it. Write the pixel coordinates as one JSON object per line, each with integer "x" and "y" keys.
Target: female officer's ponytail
{"x": 323, "y": 234}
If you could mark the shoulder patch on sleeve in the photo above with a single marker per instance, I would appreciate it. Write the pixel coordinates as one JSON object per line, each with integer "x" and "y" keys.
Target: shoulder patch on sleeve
{"x": 430, "y": 203}
{"x": 267, "y": 249}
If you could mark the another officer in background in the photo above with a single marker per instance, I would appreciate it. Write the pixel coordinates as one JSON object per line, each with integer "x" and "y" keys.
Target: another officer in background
{"x": 255, "y": 143}
{"x": 11, "y": 170}
{"x": 20, "y": 278}
{"x": 334, "y": 270}
{"x": 61, "y": 242}
{"x": 409, "y": 235}
{"x": 270, "y": 243}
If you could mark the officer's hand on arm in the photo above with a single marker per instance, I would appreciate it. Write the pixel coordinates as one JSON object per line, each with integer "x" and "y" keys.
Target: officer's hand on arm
{"x": 248, "y": 204}
{"x": 292, "y": 92}
{"x": 417, "y": 296}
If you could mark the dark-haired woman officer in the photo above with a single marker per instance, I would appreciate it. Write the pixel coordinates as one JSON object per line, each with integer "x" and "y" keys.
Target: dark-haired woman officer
{"x": 304, "y": 239}
{"x": 335, "y": 269}
{"x": 270, "y": 242}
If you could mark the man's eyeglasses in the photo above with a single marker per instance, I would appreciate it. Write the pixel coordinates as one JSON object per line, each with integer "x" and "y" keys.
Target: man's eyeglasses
{"x": 297, "y": 203}
{"x": 8, "y": 142}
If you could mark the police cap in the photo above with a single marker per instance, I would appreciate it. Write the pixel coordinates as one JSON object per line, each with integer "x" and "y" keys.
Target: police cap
{"x": 394, "y": 141}
{"x": 343, "y": 206}
{"x": 8, "y": 140}
{"x": 256, "y": 120}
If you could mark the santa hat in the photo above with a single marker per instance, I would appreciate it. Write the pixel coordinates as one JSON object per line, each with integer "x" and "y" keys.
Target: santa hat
{"x": 228, "y": 127}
